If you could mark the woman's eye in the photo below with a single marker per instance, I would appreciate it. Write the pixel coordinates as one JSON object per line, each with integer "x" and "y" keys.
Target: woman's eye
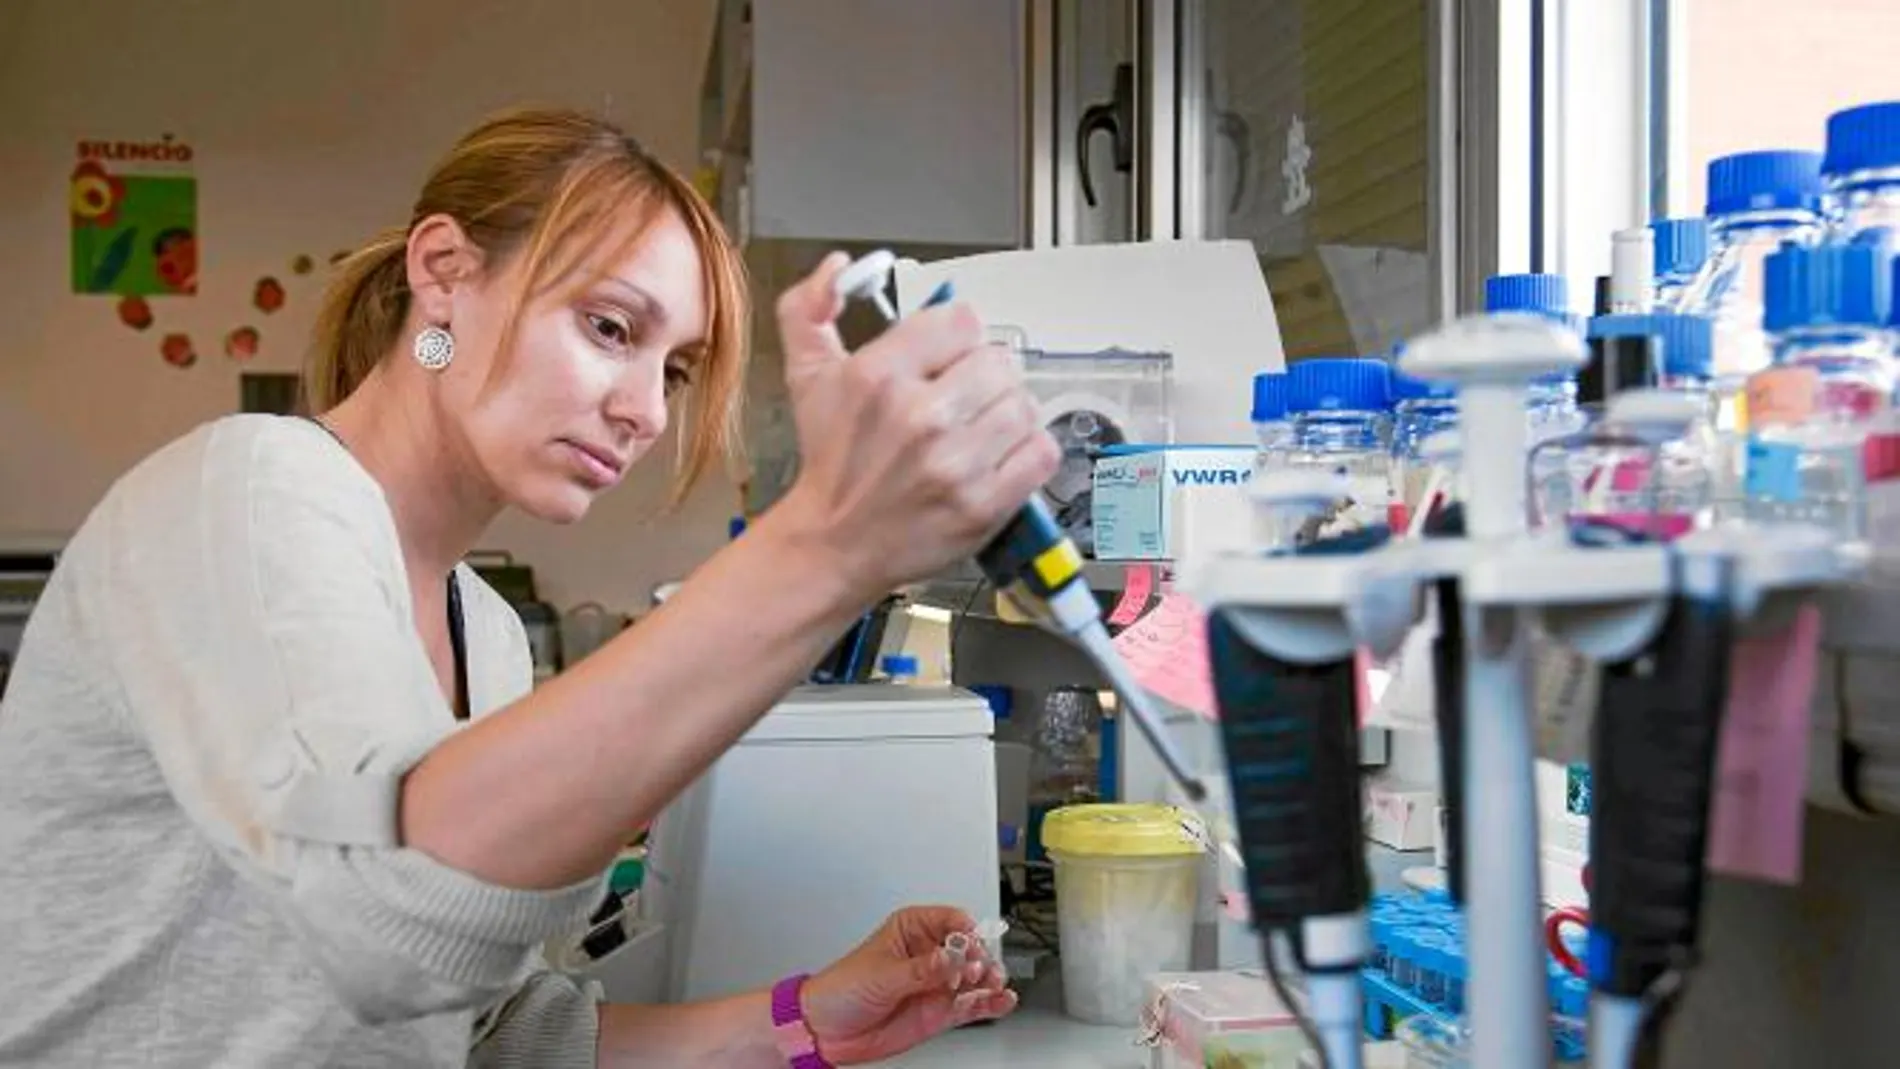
{"x": 611, "y": 332}
{"x": 678, "y": 377}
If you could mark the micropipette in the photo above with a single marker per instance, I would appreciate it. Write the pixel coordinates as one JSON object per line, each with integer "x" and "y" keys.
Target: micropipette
{"x": 1032, "y": 562}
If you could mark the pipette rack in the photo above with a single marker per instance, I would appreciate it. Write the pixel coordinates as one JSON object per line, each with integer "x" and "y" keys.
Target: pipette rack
{"x": 1607, "y": 602}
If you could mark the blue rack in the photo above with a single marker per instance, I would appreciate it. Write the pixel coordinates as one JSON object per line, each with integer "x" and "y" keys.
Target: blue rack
{"x": 1418, "y": 967}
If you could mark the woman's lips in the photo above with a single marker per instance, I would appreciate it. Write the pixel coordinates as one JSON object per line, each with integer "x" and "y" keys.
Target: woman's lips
{"x": 597, "y": 467}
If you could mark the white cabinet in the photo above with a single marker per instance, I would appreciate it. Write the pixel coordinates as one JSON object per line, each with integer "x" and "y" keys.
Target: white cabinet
{"x": 887, "y": 121}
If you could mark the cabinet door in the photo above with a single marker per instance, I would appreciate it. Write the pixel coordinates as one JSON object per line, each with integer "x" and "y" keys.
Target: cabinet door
{"x": 1305, "y": 128}
{"x": 888, "y": 121}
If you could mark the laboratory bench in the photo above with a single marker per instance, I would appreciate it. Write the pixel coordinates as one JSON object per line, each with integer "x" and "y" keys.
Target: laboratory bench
{"x": 1039, "y": 1034}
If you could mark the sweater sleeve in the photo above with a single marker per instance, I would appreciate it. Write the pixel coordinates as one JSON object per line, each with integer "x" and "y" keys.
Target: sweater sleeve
{"x": 257, "y": 621}
{"x": 552, "y": 1022}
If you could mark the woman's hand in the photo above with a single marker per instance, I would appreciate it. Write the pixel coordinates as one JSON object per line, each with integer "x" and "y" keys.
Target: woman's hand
{"x": 915, "y": 449}
{"x": 900, "y": 988}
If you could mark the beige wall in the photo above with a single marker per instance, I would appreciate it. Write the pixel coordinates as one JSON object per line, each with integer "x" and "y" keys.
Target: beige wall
{"x": 1767, "y": 73}
{"x": 312, "y": 125}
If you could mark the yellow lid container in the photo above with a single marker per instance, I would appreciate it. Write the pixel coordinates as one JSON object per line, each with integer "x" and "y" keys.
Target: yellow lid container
{"x": 1124, "y": 830}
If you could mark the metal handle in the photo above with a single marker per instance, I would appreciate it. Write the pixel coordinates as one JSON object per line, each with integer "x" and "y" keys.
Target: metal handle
{"x": 1117, "y": 117}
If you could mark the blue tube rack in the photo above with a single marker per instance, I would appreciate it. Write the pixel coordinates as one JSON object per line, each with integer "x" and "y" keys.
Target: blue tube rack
{"x": 1418, "y": 967}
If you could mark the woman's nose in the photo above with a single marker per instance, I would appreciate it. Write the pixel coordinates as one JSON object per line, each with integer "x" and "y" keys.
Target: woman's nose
{"x": 638, "y": 400}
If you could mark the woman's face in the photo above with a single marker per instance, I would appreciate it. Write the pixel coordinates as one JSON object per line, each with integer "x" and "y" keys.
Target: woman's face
{"x": 582, "y": 394}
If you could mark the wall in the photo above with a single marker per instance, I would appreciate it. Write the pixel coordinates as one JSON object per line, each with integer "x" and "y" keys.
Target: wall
{"x": 312, "y": 124}
{"x": 1762, "y": 76}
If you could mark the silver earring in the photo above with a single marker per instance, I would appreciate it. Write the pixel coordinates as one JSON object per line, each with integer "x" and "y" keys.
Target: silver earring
{"x": 435, "y": 347}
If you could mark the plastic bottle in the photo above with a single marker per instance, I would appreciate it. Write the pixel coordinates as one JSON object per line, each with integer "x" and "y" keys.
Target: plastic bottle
{"x": 1682, "y": 247}
{"x": 1552, "y": 402}
{"x": 1271, "y": 421}
{"x": 1342, "y": 412}
{"x": 1861, "y": 171}
{"x": 1832, "y": 379}
{"x": 1756, "y": 201}
{"x": 1661, "y": 487}
{"x": 1422, "y": 409}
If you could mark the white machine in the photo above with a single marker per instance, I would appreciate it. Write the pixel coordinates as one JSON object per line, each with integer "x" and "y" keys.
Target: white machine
{"x": 843, "y": 804}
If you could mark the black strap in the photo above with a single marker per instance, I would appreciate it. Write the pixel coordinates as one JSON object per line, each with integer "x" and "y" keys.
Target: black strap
{"x": 458, "y": 632}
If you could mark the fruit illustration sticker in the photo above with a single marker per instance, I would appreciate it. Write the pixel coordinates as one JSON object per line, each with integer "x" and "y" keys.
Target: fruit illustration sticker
{"x": 268, "y": 296}
{"x": 133, "y": 214}
{"x": 177, "y": 350}
{"x": 241, "y": 344}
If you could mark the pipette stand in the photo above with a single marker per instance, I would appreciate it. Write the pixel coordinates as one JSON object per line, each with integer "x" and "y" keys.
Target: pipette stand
{"x": 1606, "y": 602}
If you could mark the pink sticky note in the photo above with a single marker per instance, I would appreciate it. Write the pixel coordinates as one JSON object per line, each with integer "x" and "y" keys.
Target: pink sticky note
{"x": 1166, "y": 650}
{"x": 1138, "y": 584}
{"x": 1762, "y": 779}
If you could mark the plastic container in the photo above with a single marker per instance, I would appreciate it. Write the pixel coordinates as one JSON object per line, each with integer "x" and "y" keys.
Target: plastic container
{"x": 1126, "y": 880}
{"x": 1861, "y": 170}
{"x": 1682, "y": 247}
{"x": 1833, "y": 378}
{"x": 1342, "y": 418}
{"x": 1220, "y": 1019}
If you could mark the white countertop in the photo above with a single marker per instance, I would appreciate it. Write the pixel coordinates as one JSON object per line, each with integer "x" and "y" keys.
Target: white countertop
{"x": 1037, "y": 1034}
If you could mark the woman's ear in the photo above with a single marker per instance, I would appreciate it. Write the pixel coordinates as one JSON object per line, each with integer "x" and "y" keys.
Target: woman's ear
{"x": 441, "y": 257}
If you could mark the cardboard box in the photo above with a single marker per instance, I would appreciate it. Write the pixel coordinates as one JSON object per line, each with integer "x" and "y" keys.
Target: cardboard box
{"x": 1170, "y": 502}
{"x": 1401, "y": 815}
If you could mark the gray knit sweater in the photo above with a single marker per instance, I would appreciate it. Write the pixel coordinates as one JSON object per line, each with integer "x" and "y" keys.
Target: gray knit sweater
{"x": 201, "y": 748}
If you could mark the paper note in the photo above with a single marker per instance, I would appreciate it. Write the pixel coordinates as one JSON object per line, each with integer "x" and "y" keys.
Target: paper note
{"x": 1782, "y": 395}
{"x": 1762, "y": 778}
{"x": 1167, "y": 652}
{"x": 1138, "y": 584}
{"x": 1204, "y": 302}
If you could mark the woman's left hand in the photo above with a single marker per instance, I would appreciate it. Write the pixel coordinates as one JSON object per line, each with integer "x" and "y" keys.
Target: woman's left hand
{"x": 899, "y": 988}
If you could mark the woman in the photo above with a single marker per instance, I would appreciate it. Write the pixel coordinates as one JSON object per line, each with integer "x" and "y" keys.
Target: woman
{"x": 240, "y": 824}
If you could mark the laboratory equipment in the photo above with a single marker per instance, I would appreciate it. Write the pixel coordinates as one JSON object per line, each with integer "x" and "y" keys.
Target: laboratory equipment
{"x": 1423, "y": 410}
{"x": 1833, "y": 377}
{"x": 1092, "y": 403}
{"x": 1032, "y": 562}
{"x": 840, "y": 806}
{"x": 1682, "y": 247}
{"x": 1861, "y": 170}
{"x": 1126, "y": 878}
{"x": 26, "y": 565}
{"x": 1283, "y": 634}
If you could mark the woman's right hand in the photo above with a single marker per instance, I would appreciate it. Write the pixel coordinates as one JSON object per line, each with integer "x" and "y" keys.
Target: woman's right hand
{"x": 915, "y": 449}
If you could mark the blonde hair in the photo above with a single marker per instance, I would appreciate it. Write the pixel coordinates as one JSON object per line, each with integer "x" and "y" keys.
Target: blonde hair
{"x": 552, "y": 186}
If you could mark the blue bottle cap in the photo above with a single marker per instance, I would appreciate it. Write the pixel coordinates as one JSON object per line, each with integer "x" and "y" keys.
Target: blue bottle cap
{"x": 1339, "y": 384}
{"x": 1001, "y": 700}
{"x": 1412, "y": 388}
{"x": 1863, "y": 138}
{"x": 1894, "y": 316}
{"x": 1269, "y": 396}
{"x": 1682, "y": 245}
{"x": 898, "y": 664}
{"x": 1827, "y": 285}
{"x": 1545, "y": 295}
{"x": 1764, "y": 181}
{"x": 1687, "y": 342}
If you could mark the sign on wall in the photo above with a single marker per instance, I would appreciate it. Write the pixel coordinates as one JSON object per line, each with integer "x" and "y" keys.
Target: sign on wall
{"x": 134, "y": 211}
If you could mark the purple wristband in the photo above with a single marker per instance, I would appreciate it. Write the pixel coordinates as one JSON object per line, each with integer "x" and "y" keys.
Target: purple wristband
{"x": 789, "y": 1028}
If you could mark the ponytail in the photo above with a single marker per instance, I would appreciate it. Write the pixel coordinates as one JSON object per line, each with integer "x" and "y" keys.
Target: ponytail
{"x": 362, "y": 317}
